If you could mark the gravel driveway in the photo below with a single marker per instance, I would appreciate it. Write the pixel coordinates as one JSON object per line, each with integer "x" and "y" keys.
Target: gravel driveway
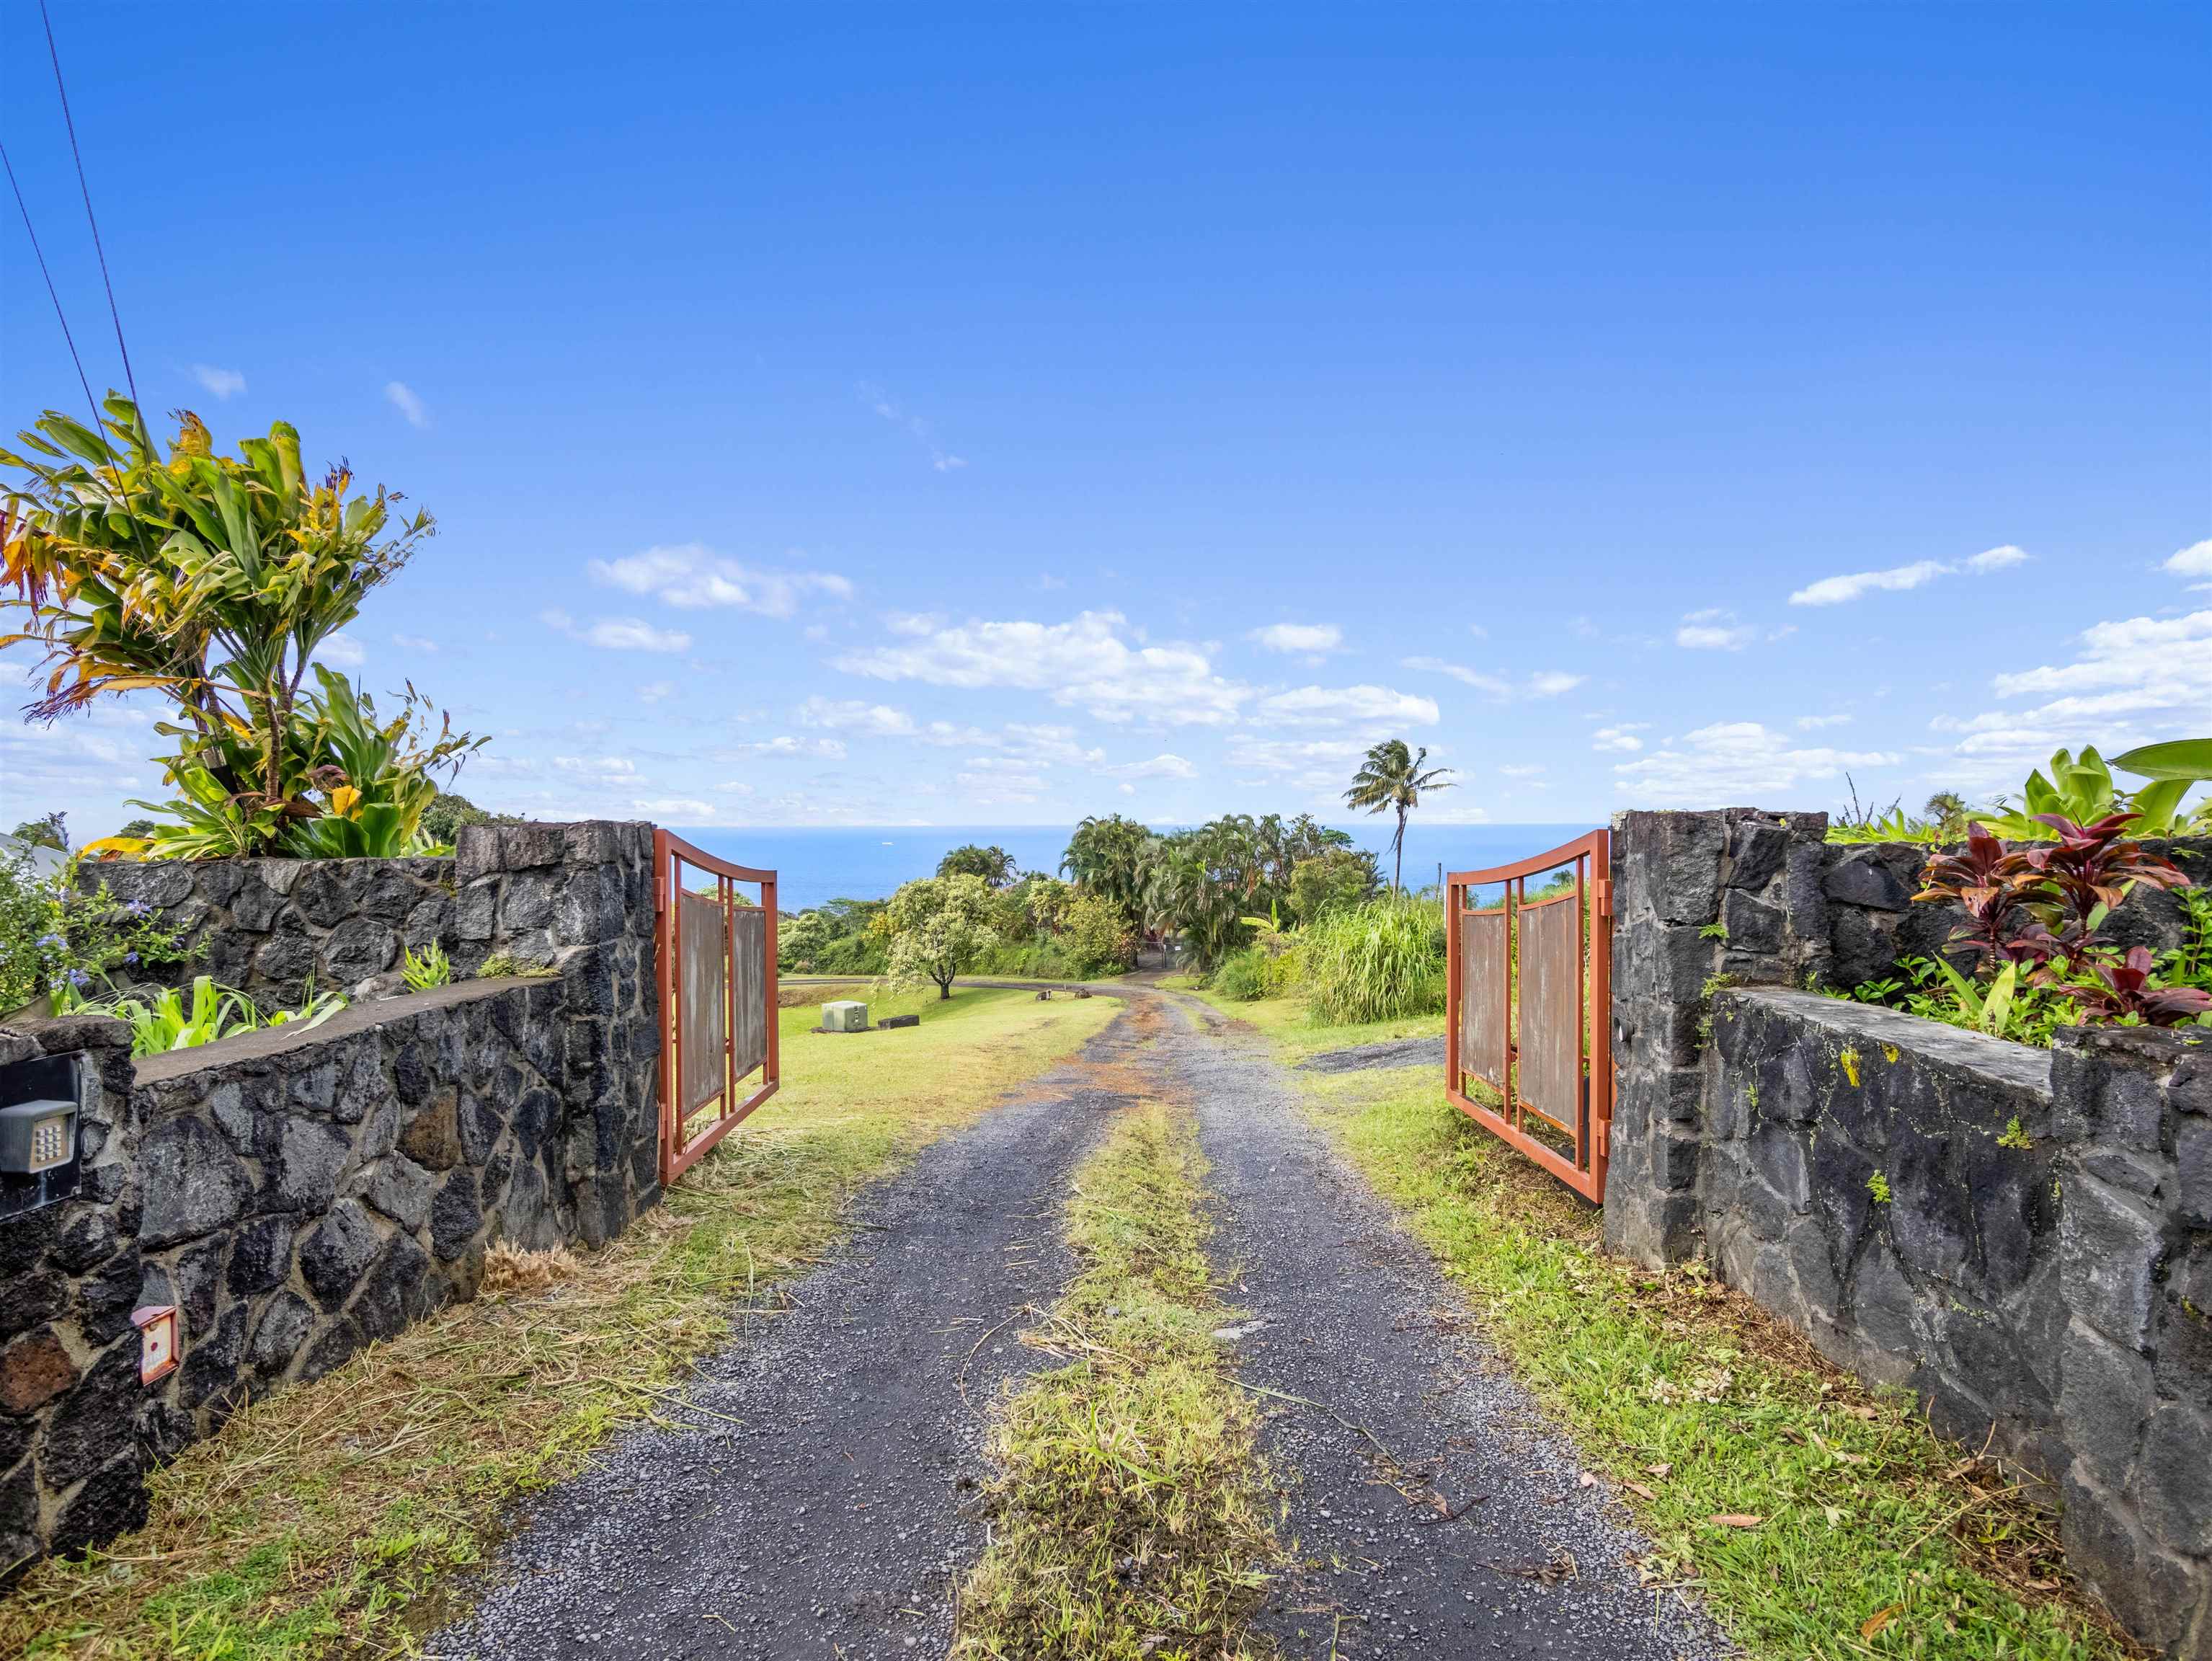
{"x": 1467, "y": 1532}
{"x": 815, "y": 1502}
{"x": 816, "y": 1499}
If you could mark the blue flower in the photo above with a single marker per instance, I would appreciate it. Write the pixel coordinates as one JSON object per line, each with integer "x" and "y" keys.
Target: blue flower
{"x": 79, "y": 979}
{"x": 138, "y": 909}
{"x": 52, "y": 942}
{"x": 130, "y": 958}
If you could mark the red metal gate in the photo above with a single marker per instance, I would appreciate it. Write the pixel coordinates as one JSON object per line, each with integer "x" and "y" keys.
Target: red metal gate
{"x": 1528, "y": 1046}
{"x": 717, "y": 972}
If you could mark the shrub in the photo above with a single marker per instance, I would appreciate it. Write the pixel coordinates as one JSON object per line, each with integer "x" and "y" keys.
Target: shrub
{"x": 56, "y": 939}
{"x": 1378, "y": 962}
{"x": 1097, "y": 935}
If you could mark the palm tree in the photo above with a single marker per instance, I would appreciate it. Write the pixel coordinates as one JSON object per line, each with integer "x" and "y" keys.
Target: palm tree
{"x": 1391, "y": 777}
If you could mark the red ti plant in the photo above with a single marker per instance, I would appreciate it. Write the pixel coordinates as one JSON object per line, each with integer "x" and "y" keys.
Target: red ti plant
{"x": 2070, "y": 885}
{"x": 2116, "y": 991}
{"x": 1991, "y": 887}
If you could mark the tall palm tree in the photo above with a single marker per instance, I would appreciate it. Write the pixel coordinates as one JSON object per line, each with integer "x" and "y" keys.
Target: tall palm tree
{"x": 1392, "y": 776}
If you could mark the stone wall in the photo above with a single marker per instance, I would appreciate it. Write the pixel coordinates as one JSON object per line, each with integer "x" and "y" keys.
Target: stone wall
{"x": 299, "y": 1193}
{"x": 2019, "y": 1236}
{"x": 2133, "y": 1126}
{"x": 1885, "y": 1184}
{"x": 273, "y": 928}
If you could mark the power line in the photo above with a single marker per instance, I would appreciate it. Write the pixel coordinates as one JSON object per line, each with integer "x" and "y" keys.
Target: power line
{"x": 70, "y": 121}
{"x": 21, "y": 207}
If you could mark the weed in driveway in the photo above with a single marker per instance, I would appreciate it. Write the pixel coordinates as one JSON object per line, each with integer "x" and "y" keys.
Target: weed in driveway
{"x": 1133, "y": 1517}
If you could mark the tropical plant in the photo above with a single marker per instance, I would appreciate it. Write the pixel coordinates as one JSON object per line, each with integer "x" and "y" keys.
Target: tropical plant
{"x": 1988, "y": 883}
{"x": 2185, "y": 762}
{"x": 1106, "y": 855}
{"x": 213, "y": 580}
{"x": 994, "y": 864}
{"x": 163, "y": 1019}
{"x": 2079, "y": 788}
{"x": 432, "y": 969}
{"x": 2071, "y": 886}
{"x": 2130, "y": 992}
{"x": 2011, "y": 1005}
{"x": 58, "y": 939}
{"x": 939, "y": 925}
{"x": 1381, "y": 961}
{"x": 1391, "y": 779}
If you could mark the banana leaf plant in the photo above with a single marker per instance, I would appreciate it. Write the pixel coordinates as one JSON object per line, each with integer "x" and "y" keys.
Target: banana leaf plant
{"x": 2081, "y": 788}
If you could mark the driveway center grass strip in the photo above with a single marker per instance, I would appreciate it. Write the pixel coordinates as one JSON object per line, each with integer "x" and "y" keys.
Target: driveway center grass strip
{"x": 334, "y": 1517}
{"x": 1133, "y": 1517}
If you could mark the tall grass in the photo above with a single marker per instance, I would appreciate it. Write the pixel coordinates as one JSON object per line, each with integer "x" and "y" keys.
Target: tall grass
{"x": 1378, "y": 962}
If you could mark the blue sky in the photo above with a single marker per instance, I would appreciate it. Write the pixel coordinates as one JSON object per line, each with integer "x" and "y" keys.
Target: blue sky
{"x": 1001, "y": 414}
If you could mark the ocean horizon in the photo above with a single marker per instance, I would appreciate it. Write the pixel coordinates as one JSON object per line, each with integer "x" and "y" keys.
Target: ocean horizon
{"x": 814, "y": 866}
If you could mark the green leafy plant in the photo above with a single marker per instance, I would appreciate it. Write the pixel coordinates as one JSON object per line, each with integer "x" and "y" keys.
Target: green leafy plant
{"x": 165, "y": 1020}
{"x": 1378, "y": 962}
{"x": 2079, "y": 788}
{"x": 2015, "y": 1135}
{"x": 938, "y": 927}
{"x": 432, "y": 969}
{"x": 2129, "y": 992}
{"x": 1878, "y": 1185}
{"x": 2014, "y": 1005}
{"x": 58, "y": 941}
{"x": 213, "y": 580}
{"x": 506, "y": 965}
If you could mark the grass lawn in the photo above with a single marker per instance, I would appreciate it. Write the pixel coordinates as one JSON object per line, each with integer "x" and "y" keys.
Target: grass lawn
{"x": 334, "y": 1516}
{"x": 1133, "y": 1517}
{"x": 1849, "y": 1530}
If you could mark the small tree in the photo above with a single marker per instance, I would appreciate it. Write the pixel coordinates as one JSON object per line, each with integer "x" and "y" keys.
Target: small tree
{"x": 939, "y": 925}
{"x": 1393, "y": 778}
{"x": 1335, "y": 879}
{"x": 1099, "y": 938}
{"x": 50, "y": 830}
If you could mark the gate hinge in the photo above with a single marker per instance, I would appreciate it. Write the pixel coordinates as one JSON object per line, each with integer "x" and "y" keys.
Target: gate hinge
{"x": 1603, "y": 887}
{"x": 1605, "y": 1138}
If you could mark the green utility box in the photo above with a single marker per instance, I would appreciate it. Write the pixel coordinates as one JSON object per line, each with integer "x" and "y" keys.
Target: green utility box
{"x": 844, "y": 1016}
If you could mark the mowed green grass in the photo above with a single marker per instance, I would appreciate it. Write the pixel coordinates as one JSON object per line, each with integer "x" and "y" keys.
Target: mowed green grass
{"x": 1873, "y": 1536}
{"x": 1292, "y": 1028}
{"x": 335, "y": 1515}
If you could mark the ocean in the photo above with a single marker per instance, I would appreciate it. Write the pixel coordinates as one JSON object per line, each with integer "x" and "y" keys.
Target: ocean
{"x": 864, "y": 862}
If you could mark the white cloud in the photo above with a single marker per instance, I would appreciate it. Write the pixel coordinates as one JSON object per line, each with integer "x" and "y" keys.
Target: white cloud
{"x": 1540, "y": 683}
{"x": 1296, "y": 755}
{"x": 414, "y": 643}
{"x": 692, "y": 575}
{"x": 656, "y": 692}
{"x": 1521, "y": 770}
{"x": 1813, "y": 723}
{"x": 1997, "y": 559}
{"x": 1734, "y": 763}
{"x": 1835, "y": 591}
{"x": 1159, "y": 767}
{"x": 855, "y": 715}
{"x": 404, "y": 399}
{"x": 2169, "y": 658}
{"x": 1084, "y": 663}
{"x": 219, "y": 383}
{"x": 1308, "y": 638}
{"x": 1713, "y": 630}
{"x": 341, "y": 651}
{"x": 1054, "y": 745}
{"x": 2194, "y": 561}
{"x": 1341, "y": 706}
{"x": 604, "y": 767}
{"x": 1477, "y": 632}
{"x": 618, "y": 634}
{"x": 1621, "y": 736}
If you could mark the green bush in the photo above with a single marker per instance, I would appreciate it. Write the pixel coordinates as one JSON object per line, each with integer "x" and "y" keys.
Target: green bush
{"x": 1378, "y": 962}
{"x": 1243, "y": 976}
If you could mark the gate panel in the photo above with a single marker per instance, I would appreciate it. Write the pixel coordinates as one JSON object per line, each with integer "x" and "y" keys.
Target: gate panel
{"x": 1529, "y": 1051}
{"x": 703, "y": 1001}
{"x": 1551, "y": 1073}
{"x": 1482, "y": 1010}
{"x": 716, "y": 978}
{"x": 754, "y": 959}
